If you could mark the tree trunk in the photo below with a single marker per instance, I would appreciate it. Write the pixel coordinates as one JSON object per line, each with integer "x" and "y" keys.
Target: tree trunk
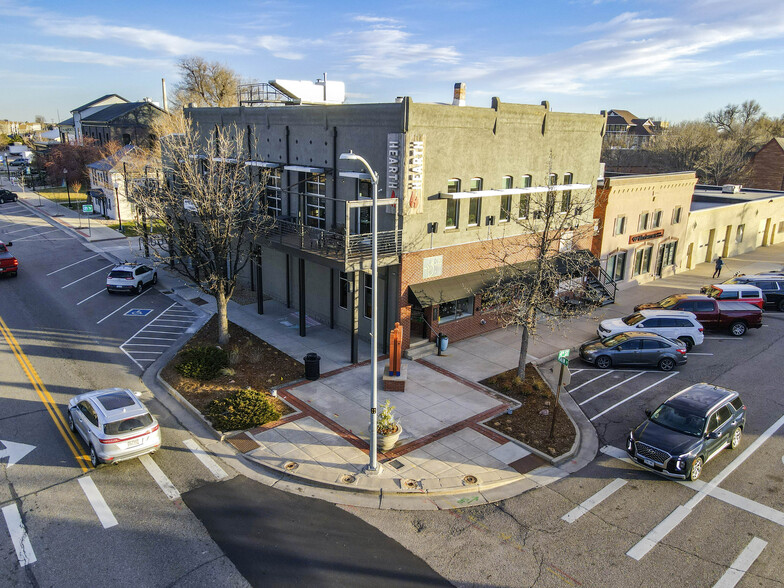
{"x": 223, "y": 315}
{"x": 523, "y": 353}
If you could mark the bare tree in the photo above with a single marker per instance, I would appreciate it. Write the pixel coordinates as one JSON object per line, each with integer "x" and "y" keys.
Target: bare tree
{"x": 213, "y": 213}
{"x": 205, "y": 83}
{"x": 550, "y": 287}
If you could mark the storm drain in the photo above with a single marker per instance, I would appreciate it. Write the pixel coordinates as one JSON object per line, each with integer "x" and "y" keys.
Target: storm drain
{"x": 410, "y": 484}
{"x": 290, "y": 466}
{"x": 470, "y": 480}
{"x": 348, "y": 479}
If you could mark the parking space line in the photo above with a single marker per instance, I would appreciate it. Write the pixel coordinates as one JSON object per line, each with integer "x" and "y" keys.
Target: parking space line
{"x": 27, "y": 229}
{"x": 87, "y": 276}
{"x": 72, "y": 264}
{"x": 610, "y": 388}
{"x": 19, "y": 537}
{"x": 597, "y": 498}
{"x": 131, "y": 301}
{"x": 102, "y": 510}
{"x": 91, "y": 296}
{"x": 206, "y": 459}
{"x": 576, "y": 388}
{"x": 36, "y": 235}
{"x": 742, "y": 564}
{"x": 617, "y": 404}
{"x": 160, "y": 478}
{"x": 154, "y": 338}
{"x": 692, "y": 353}
{"x": 660, "y": 531}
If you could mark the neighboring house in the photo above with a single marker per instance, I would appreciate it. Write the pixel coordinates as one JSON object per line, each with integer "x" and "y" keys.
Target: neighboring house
{"x": 71, "y": 129}
{"x": 626, "y": 130}
{"x": 767, "y": 167}
{"x": 730, "y": 220}
{"x": 129, "y": 123}
{"x": 641, "y": 225}
{"x": 455, "y": 173}
{"x": 108, "y": 185}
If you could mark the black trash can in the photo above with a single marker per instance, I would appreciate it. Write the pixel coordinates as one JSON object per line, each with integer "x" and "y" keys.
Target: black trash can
{"x": 312, "y": 366}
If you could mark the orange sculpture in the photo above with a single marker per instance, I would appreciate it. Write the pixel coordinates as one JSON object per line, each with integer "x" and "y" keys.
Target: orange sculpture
{"x": 395, "y": 349}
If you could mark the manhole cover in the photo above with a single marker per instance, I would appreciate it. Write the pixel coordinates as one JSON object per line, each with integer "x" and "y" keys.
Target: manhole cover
{"x": 290, "y": 466}
{"x": 470, "y": 480}
{"x": 410, "y": 484}
{"x": 348, "y": 479}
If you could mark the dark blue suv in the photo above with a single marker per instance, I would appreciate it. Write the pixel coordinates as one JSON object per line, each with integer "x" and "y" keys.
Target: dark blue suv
{"x": 688, "y": 430}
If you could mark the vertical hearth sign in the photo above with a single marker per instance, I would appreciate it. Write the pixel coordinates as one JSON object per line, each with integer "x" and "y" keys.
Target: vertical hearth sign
{"x": 395, "y": 155}
{"x": 413, "y": 197}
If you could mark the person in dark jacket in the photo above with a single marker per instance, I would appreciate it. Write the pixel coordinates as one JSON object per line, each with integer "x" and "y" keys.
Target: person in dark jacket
{"x": 719, "y": 265}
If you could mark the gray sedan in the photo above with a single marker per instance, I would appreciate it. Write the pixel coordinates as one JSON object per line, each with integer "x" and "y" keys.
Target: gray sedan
{"x": 634, "y": 348}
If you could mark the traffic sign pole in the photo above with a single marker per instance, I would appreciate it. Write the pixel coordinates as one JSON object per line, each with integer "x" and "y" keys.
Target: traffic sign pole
{"x": 563, "y": 359}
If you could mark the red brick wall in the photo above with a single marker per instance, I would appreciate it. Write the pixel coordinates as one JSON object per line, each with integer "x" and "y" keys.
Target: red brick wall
{"x": 768, "y": 167}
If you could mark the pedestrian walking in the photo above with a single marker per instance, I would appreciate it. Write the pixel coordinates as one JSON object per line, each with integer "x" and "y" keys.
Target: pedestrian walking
{"x": 719, "y": 265}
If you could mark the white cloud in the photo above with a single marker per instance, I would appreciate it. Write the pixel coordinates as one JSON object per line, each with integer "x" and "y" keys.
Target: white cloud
{"x": 58, "y": 54}
{"x": 279, "y": 46}
{"x": 378, "y": 20}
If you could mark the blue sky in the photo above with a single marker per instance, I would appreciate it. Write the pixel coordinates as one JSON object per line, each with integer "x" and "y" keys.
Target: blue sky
{"x": 666, "y": 59}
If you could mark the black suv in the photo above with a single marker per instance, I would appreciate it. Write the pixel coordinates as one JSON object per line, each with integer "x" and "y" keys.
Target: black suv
{"x": 772, "y": 287}
{"x": 7, "y": 196}
{"x": 688, "y": 430}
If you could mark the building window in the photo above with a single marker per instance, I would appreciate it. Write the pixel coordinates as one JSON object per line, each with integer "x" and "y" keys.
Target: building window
{"x": 315, "y": 204}
{"x": 616, "y": 266}
{"x": 364, "y": 189}
{"x": 642, "y": 261}
{"x": 506, "y": 200}
{"x": 552, "y": 179}
{"x": 525, "y": 203}
{"x": 620, "y": 225}
{"x": 526, "y": 181}
{"x": 474, "y": 210}
{"x": 273, "y": 193}
{"x": 452, "y": 311}
{"x": 657, "y": 219}
{"x": 642, "y": 224}
{"x": 343, "y": 290}
{"x": 476, "y": 184}
{"x": 668, "y": 252}
{"x": 126, "y": 139}
{"x": 368, "y": 295}
{"x": 452, "y": 213}
{"x": 739, "y": 234}
{"x": 453, "y": 186}
{"x": 566, "y": 198}
{"x": 676, "y": 215}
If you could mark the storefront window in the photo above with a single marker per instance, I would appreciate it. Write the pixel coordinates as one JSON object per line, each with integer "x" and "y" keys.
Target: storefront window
{"x": 642, "y": 261}
{"x": 616, "y": 266}
{"x": 457, "y": 309}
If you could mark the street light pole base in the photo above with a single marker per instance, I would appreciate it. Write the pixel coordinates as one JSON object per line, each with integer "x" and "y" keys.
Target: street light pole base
{"x": 370, "y": 471}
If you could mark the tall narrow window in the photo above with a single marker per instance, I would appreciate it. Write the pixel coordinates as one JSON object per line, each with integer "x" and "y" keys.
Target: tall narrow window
{"x": 343, "y": 290}
{"x": 273, "y": 193}
{"x": 620, "y": 225}
{"x": 453, "y": 186}
{"x": 566, "y": 198}
{"x": 642, "y": 224}
{"x": 506, "y": 200}
{"x": 315, "y": 204}
{"x": 452, "y": 213}
{"x": 657, "y": 219}
{"x": 525, "y": 199}
{"x": 474, "y": 204}
{"x": 676, "y": 215}
{"x": 364, "y": 190}
{"x": 368, "y": 295}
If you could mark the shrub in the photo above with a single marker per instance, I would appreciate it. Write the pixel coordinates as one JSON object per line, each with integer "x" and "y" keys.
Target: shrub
{"x": 203, "y": 362}
{"x": 242, "y": 409}
{"x": 228, "y": 371}
{"x": 234, "y": 355}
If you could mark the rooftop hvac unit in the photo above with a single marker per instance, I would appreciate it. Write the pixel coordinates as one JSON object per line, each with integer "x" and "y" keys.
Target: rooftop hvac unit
{"x": 731, "y": 188}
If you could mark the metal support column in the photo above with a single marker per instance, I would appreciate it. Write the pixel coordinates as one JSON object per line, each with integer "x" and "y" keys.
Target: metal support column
{"x": 302, "y": 325}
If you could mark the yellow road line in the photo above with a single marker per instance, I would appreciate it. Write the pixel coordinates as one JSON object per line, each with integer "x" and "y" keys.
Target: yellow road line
{"x": 46, "y": 398}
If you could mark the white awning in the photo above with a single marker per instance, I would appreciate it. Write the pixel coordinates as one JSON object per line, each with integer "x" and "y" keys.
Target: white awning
{"x": 268, "y": 164}
{"x": 304, "y": 169}
{"x": 225, "y": 160}
{"x": 356, "y": 175}
{"x": 512, "y": 191}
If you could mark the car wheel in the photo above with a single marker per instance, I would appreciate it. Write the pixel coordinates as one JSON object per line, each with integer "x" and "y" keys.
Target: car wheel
{"x": 688, "y": 342}
{"x": 71, "y": 422}
{"x": 94, "y": 460}
{"x": 781, "y": 305}
{"x": 109, "y": 290}
{"x": 666, "y": 364}
{"x": 138, "y": 289}
{"x": 696, "y": 469}
{"x": 736, "y": 435}
{"x": 603, "y": 362}
{"x": 155, "y": 278}
{"x": 738, "y": 328}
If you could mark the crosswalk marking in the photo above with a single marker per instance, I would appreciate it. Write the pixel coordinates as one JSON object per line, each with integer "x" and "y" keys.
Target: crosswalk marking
{"x": 22, "y": 546}
{"x": 741, "y": 565}
{"x": 204, "y": 458}
{"x": 159, "y": 477}
{"x": 597, "y": 498}
{"x": 98, "y": 503}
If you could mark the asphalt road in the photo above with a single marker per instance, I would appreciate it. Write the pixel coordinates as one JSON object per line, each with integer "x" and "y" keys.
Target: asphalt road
{"x": 63, "y": 523}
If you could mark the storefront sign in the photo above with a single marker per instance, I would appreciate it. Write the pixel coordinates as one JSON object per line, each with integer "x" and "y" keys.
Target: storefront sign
{"x": 646, "y": 236}
{"x": 432, "y": 267}
{"x": 414, "y": 175}
{"x": 394, "y": 164}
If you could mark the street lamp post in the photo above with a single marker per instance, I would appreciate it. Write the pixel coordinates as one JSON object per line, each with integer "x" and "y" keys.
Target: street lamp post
{"x": 117, "y": 200}
{"x": 67, "y": 187}
{"x": 373, "y": 467}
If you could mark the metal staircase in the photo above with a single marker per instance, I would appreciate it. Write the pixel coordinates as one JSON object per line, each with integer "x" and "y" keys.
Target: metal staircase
{"x": 600, "y": 286}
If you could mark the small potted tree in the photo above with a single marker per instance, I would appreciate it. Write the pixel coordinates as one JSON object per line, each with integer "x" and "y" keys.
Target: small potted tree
{"x": 388, "y": 427}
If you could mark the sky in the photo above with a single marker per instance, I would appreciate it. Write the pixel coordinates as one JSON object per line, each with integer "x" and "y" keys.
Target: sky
{"x": 664, "y": 59}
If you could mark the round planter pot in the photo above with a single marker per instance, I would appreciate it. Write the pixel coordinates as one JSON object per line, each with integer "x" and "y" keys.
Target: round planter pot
{"x": 387, "y": 442}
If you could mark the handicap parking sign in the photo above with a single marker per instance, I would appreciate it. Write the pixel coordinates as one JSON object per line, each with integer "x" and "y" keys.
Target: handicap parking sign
{"x": 138, "y": 312}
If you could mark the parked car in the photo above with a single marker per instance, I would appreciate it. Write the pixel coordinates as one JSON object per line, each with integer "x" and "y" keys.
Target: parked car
{"x": 673, "y": 324}
{"x": 688, "y": 430}
{"x": 8, "y": 263}
{"x": 737, "y": 317}
{"x": 114, "y": 424}
{"x": 634, "y": 348}
{"x": 8, "y": 196}
{"x": 130, "y": 277}
{"x": 772, "y": 287}
{"x": 739, "y": 292}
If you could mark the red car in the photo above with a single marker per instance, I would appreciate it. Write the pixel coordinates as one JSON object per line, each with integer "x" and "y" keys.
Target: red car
{"x": 8, "y": 263}
{"x": 735, "y": 316}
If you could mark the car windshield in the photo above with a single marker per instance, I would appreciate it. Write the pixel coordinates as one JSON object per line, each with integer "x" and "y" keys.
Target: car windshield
{"x": 633, "y": 319}
{"x": 128, "y": 425}
{"x": 683, "y": 422}
{"x": 615, "y": 340}
{"x": 120, "y": 274}
{"x": 3, "y": 249}
{"x": 669, "y": 301}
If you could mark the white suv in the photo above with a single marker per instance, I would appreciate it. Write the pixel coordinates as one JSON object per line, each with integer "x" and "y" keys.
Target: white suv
{"x": 673, "y": 324}
{"x": 130, "y": 277}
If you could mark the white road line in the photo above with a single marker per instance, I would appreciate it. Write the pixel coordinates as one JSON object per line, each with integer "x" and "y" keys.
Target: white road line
{"x": 16, "y": 528}
{"x": 152, "y": 338}
{"x": 617, "y": 404}
{"x": 668, "y": 524}
{"x": 159, "y": 477}
{"x": 576, "y": 388}
{"x": 36, "y": 235}
{"x": 597, "y": 498}
{"x": 692, "y": 353}
{"x": 26, "y": 229}
{"x": 610, "y": 388}
{"x": 205, "y": 458}
{"x": 727, "y": 338}
{"x": 741, "y": 565}
{"x": 92, "y": 296}
{"x": 145, "y": 345}
{"x": 72, "y": 264}
{"x": 99, "y": 505}
{"x": 87, "y": 276}
{"x": 131, "y": 301}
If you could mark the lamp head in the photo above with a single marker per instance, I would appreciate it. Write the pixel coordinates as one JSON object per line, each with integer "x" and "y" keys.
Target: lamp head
{"x": 349, "y": 155}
